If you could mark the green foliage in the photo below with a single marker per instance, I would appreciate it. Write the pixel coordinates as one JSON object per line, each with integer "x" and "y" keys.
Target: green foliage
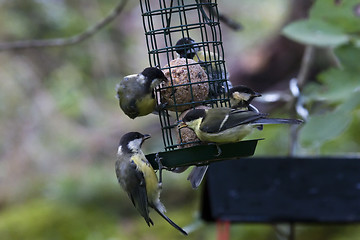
{"x": 43, "y": 220}
{"x": 315, "y": 32}
{"x": 339, "y": 87}
{"x": 349, "y": 56}
{"x": 334, "y": 86}
{"x": 334, "y": 24}
{"x": 330, "y": 24}
{"x": 340, "y": 14}
{"x": 324, "y": 127}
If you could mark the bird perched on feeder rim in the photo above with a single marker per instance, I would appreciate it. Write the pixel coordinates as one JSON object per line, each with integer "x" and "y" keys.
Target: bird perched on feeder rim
{"x": 218, "y": 78}
{"x": 137, "y": 177}
{"x": 136, "y": 92}
{"x": 226, "y": 125}
{"x": 240, "y": 98}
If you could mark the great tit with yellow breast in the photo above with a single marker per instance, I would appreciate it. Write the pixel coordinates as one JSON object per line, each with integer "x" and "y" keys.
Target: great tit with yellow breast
{"x": 218, "y": 78}
{"x": 137, "y": 177}
{"x": 240, "y": 98}
{"x": 136, "y": 92}
{"x": 226, "y": 125}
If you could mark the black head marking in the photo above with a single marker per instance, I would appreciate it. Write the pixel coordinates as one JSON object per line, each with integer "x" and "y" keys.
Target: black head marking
{"x": 130, "y": 136}
{"x": 186, "y": 47}
{"x": 152, "y": 73}
{"x": 242, "y": 89}
{"x": 194, "y": 114}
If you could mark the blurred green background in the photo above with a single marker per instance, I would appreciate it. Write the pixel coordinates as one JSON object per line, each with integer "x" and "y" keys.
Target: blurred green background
{"x": 60, "y": 122}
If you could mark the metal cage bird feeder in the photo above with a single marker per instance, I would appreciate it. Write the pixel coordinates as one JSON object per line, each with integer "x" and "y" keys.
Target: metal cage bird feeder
{"x": 165, "y": 22}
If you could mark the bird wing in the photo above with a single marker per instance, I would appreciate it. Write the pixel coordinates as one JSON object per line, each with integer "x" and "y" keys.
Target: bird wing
{"x": 136, "y": 189}
{"x": 196, "y": 175}
{"x": 238, "y": 117}
{"x": 213, "y": 119}
{"x": 221, "y": 119}
{"x": 128, "y": 92}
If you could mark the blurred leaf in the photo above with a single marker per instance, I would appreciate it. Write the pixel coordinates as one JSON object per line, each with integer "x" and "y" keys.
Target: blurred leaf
{"x": 357, "y": 43}
{"x": 350, "y": 137}
{"x": 353, "y": 102}
{"x": 315, "y": 32}
{"x": 349, "y": 56}
{"x": 336, "y": 86}
{"x": 321, "y": 128}
{"x": 340, "y": 14}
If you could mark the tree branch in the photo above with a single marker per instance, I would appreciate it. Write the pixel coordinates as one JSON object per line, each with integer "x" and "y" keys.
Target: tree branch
{"x": 306, "y": 63}
{"x": 297, "y": 104}
{"x": 59, "y": 42}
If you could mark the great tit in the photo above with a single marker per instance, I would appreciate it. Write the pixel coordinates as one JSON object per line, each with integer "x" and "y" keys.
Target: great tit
{"x": 218, "y": 78}
{"x": 136, "y": 92}
{"x": 137, "y": 177}
{"x": 240, "y": 98}
{"x": 226, "y": 125}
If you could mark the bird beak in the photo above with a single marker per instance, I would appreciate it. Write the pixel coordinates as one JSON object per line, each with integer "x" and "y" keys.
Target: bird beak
{"x": 146, "y": 136}
{"x": 256, "y": 94}
{"x": 181, "y": 125}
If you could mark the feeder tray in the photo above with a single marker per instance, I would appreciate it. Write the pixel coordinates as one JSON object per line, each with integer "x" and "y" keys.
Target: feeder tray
{"x": 204, "y": 154}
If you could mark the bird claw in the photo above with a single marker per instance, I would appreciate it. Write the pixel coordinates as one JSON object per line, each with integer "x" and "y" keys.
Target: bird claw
{"x": 158, "y": 161}
{"x": 219, "y": 151}
{"x": 161, "y": 106}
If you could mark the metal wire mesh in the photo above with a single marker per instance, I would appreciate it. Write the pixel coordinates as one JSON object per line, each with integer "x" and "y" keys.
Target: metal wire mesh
{"x": 167, "y": 21}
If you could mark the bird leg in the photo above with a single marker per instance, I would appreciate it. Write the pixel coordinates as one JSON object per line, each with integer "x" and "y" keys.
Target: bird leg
{"x": 161, "y": 107}
{"x": 158, "y": 161}
{"x": 218, "y": 149}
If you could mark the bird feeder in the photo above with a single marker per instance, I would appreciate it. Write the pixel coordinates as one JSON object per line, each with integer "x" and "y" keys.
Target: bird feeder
{"x": 191, "y": 83}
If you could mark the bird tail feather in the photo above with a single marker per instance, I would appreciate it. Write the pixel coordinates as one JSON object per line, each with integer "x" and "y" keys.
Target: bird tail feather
{"x": 170, "y": 221}
{"x": 277, "y": 121}
{"x": 196, "y": 176}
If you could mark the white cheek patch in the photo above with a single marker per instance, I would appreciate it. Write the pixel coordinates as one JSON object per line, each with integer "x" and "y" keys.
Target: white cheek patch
{"x": 245, "y": 96}
{"x": 241, "y": 96}
{"x": 156, "y": 82}
{"x": 119, "y": 152}
{"x": 134, "y": 144}
{"x": 236, "y": 95}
